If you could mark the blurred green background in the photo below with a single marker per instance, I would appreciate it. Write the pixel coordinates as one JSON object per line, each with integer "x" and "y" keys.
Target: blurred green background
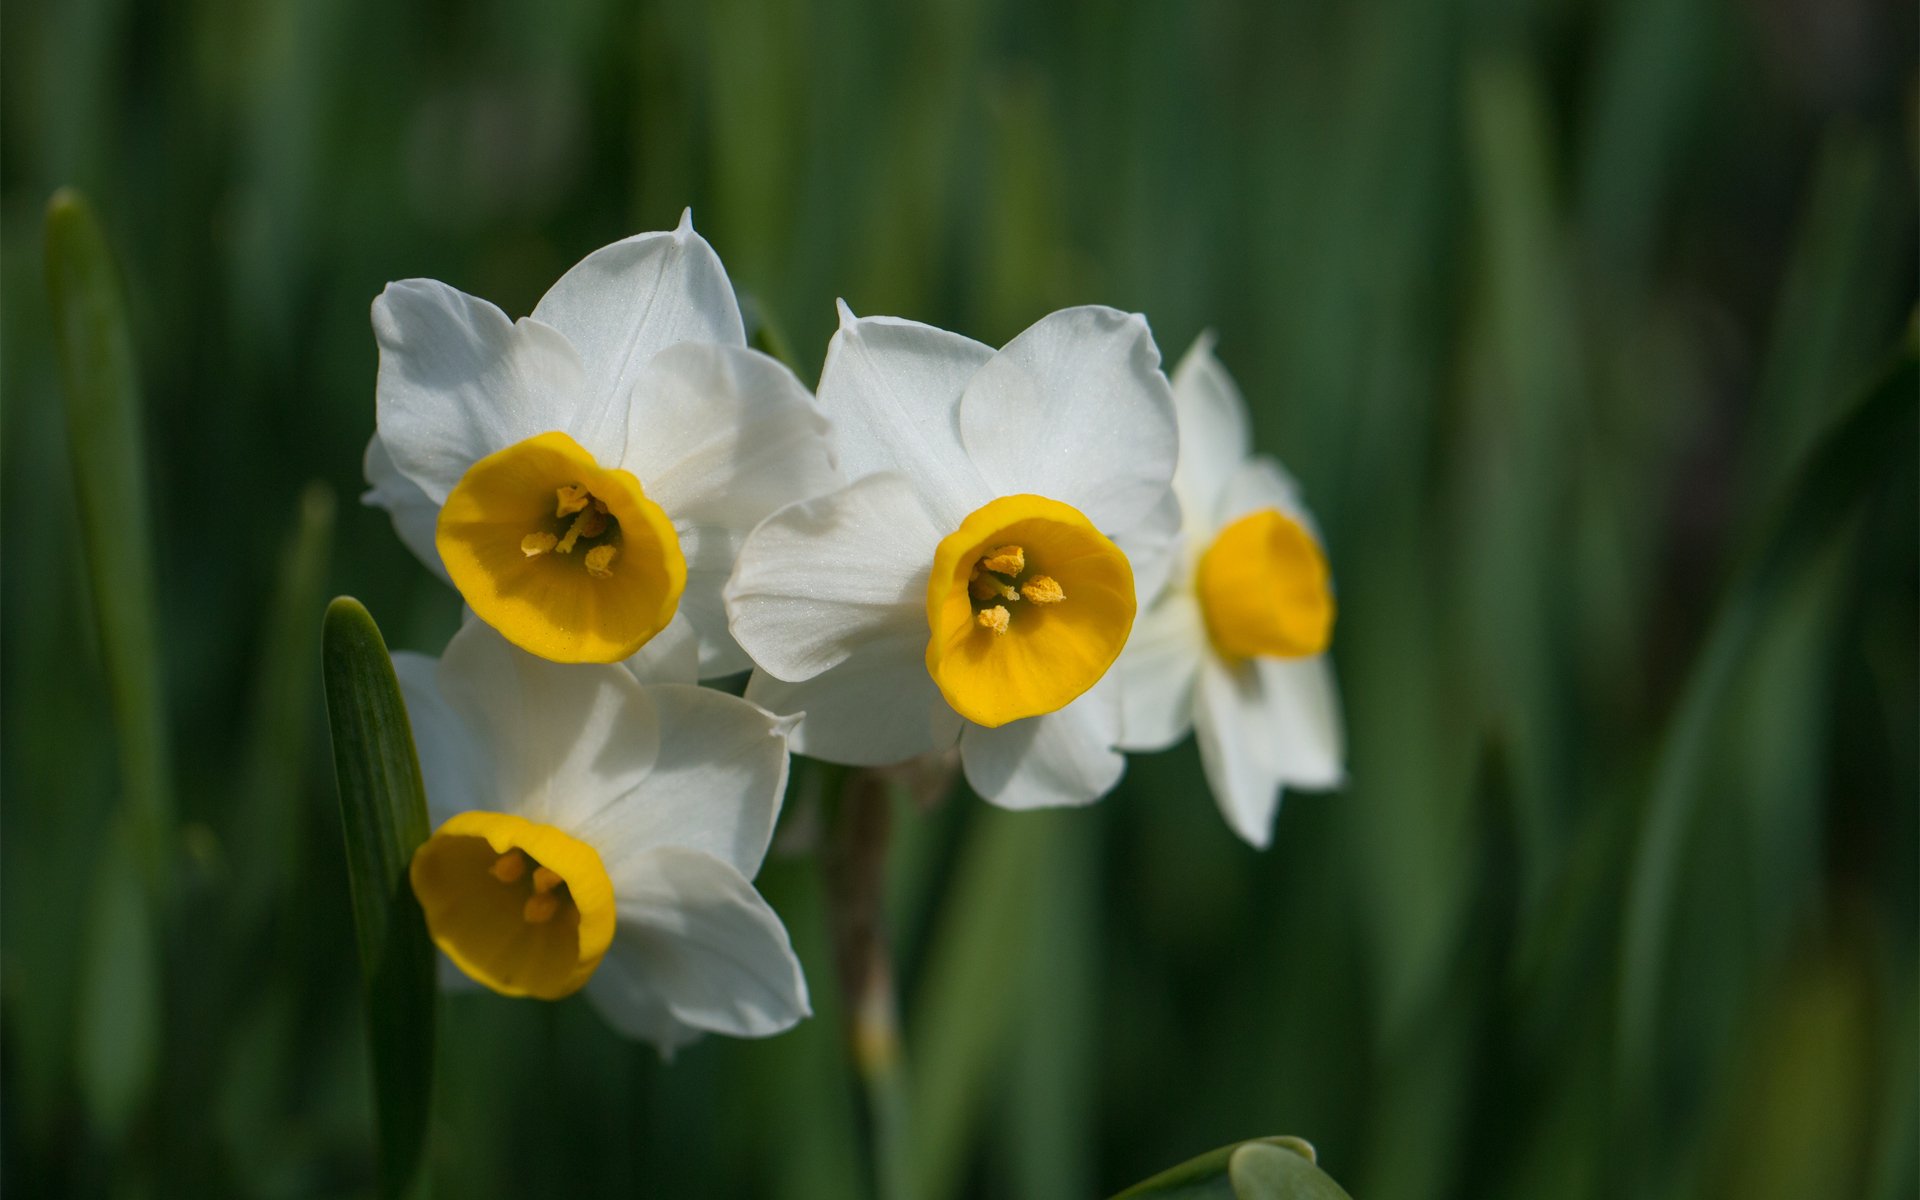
{"x": 1545, "y": 301}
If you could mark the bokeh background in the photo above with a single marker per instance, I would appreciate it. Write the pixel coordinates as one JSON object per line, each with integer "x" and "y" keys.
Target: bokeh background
{"x": 1545, "y": 302}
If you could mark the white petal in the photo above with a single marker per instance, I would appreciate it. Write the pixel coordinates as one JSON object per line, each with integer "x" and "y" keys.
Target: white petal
{"x": 1261, "y": 483}
{"x": 1309, "y": 745}
{"x": 722, "y": 435}
{"x": 414, "y": 514}
{"x": 892, "y": 389}
{"x": 670, "y": 656}
{"x": 694, "y": 937}
{"x": 1236, "y": 732}
{"x": 636, "y": 1010}
{"x": 459, "y": 381}
{"x": 625, "y": 303}
{"x": 1154, "y": 547}
{"x": 820, "y": 578}
{"x": 454, "y": 764}
{"x": 714, "y": 785}
{"x": 1076, "y": 409}
{"x": 1214, "y": 438}
{"x": 1157, "y": 671}
{"x": 567, "y": 739}
{"x": 712, "y": 552}
{"x": 878, "y": 707}
{"x": 1062, "y": 758}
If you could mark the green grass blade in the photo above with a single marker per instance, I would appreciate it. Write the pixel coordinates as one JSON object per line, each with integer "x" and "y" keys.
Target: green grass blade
{"x": 268, "y": 804}
{"x": 118, "y": 1024}
{"x": 110, "y": 485}
{"x": 1861, "y": 449}
{"x": 383, "y": 809}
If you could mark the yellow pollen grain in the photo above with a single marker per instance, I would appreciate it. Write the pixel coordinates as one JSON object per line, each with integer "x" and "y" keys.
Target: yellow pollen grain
{"x": 572, "y": 499}
{"x": 509, "y": 867}
{"x": 1043, "y": 589}
{"x": 995, "y": 618}
{"x": 1007, "y": 560}
{"x": 539, "y": 908}
{"x": 600, "y": 561}
{"x": 545, "y": 879}
{"x": 535, "y": 544}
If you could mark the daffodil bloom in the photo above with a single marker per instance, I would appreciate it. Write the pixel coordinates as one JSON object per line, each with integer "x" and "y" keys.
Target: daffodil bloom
{"x": 596, "y": 833}
{"x": 980, "y": 574}
{"x": 1235, "y": 649}
{"x": 584, "y": 476}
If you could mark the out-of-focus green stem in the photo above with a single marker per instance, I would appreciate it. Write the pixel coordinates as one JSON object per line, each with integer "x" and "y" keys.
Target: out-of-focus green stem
{"x": 856, "y": 886}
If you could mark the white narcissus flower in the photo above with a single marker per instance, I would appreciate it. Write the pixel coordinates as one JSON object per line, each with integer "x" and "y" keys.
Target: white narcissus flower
{"x": 595, "y": 832}
{"x": 584, "y": 476}
{"x": 978, "y": 576}
{"x": 1235, "y": 647}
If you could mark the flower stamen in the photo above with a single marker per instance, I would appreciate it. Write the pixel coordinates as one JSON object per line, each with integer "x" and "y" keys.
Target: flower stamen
{"x": 1043, "y": 589}
{"x": 1007, "y": 560}
{"x": 996, "y": 618}
{"x": 510, "y": 867}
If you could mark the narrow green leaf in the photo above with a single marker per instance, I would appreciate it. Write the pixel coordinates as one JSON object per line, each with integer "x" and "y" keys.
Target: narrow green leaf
{"x": 281, "y": 714}
{"x": 1215, "y": 1175}
{"x": 118, "y": 1025}
{"x": 383, "y": 809}
{"x": 1853, "y": 456}
{"x": 110, "y": 485}
{"x": 1262, "y": 1171}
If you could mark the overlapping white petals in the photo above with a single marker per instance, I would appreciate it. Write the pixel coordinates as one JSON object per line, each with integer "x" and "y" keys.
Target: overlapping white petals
{"x": 675, "y": 787}
{"x": 1061, "y": 758}
{"x": 1214, "y": 434}
{"x": 1157, "y": 673}
{"x": 891, "y": 388}
{"x": 413, "y": 512}
{"x": 820, "y": 579}
{"x": 693, "y": 942}
{"x": 459, "y": 381}
{"x": 1075, "y": 409}
{"x": 624, "y": 303}
{"x": 877, "y": 706}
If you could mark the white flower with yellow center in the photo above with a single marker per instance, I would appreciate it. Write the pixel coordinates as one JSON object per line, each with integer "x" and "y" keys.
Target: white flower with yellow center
{"x": 1235, "y": 647}
{"x": 979, "y": 575}
{"x": 585, "y": 475}
{"x": 593, "y": 832}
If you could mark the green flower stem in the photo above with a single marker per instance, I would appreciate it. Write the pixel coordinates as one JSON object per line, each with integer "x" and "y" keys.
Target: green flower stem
{"x": 856, "y": 887}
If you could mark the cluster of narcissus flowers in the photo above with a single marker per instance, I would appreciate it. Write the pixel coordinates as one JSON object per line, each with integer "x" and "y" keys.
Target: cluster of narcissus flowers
{"x": 1042, "y": 555}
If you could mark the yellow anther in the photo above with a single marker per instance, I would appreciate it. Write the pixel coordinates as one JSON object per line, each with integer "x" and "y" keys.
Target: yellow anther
{"x": 994, "y": 618}
{"x": 1043, "y": 589}
{"x": 545, "y": 879}
{"x": 986, "y": 587}
{"x": 572, "y": 499}
{"x": 595, "y": 523}
{"x": 539, "y": 908}
{"x": 600, "y": 561}
{"x": 535, "y": 544}
{"x": 509, "y": 867}
{"x": 1007, "y": 560}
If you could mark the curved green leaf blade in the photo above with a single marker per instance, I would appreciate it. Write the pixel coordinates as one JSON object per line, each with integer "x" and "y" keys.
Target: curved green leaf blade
{"x": 1833, "y": 481}
{"x": 383, "y": 809}
{"x": 1261, "y": 1171}
{"x": 110, "y": 484}
{"x": 1210, "y": 1176}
